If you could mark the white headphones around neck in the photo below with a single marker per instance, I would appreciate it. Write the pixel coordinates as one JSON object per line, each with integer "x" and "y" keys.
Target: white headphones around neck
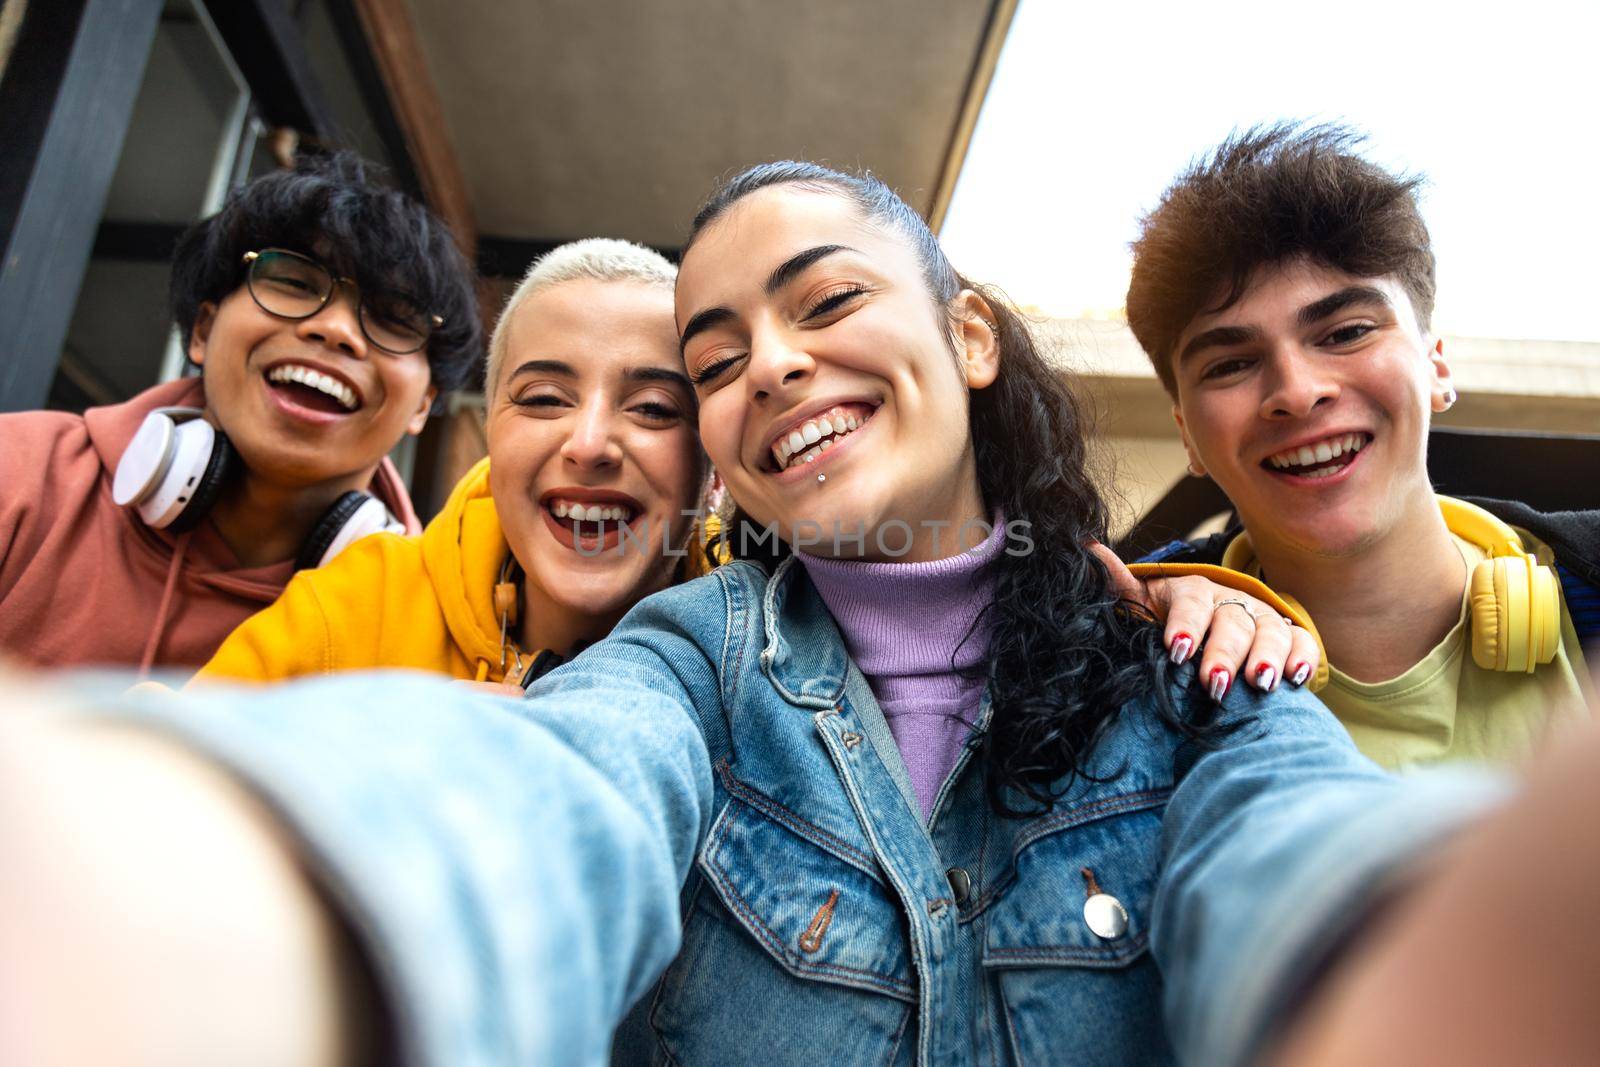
{"x": 178, "y": 463}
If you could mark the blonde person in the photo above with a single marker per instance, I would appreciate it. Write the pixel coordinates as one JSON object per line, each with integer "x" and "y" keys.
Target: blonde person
{"x": 576, "y": 515}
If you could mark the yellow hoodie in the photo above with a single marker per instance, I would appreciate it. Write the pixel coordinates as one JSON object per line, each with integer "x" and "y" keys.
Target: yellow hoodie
{"x": 424, "y": 602}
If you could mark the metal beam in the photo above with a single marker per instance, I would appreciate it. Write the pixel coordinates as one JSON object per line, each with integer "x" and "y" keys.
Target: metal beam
{"x": 266, "y": 45}
{"x": 67, "y": 94}
{"x": 139, "y": 242}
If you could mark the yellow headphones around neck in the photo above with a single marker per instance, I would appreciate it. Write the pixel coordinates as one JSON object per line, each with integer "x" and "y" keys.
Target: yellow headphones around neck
{"x": 1515, "y": 601}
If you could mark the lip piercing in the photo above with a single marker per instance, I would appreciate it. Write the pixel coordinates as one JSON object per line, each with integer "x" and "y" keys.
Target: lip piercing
{"x": 822, "y": 477}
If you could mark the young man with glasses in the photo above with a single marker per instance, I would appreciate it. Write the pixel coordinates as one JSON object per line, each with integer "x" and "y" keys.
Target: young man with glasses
{"x": 1283, "y": 288}
{"x": 325, "y": 314}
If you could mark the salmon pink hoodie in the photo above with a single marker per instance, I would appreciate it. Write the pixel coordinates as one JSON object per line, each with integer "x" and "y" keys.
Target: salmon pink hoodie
{"x": 86, "y": 582}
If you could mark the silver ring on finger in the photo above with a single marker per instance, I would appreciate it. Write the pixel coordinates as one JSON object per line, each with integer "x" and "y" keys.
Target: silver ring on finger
{"x": 1236, "y": 602}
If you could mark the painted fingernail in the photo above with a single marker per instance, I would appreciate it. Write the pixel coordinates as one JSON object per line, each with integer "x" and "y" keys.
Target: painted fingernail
{"x": 1219, "y": 682}
{"x": 1266, "y": 678}
{"x": 1182, "y": 645}
{"x": 1301, "y": 673}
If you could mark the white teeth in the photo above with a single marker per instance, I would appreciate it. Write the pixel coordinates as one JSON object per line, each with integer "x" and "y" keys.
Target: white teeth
{"x": 566, "y": 509}
{"x": 1321, "y": 452}
{"x": 322, "y": 383}
{"x": 810, "y": 440}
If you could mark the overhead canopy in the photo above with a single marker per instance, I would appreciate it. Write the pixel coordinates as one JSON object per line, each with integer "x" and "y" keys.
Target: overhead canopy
{"x": 572, "y": 118}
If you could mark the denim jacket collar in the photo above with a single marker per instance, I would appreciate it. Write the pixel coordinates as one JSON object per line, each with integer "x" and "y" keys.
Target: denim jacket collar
{"x": 804, "y": 655}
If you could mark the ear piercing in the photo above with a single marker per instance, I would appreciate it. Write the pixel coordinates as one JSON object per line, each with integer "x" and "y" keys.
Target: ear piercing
{"x": 1196, "y": 470}
{"x": 1449, "y": 399}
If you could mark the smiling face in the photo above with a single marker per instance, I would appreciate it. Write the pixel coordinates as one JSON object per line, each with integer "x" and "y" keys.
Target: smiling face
{"x": 833, "y": 393}
{"x": 1308, "y": 402}
{"x": 591, "y": 428}
{"x": 306, "y": 401}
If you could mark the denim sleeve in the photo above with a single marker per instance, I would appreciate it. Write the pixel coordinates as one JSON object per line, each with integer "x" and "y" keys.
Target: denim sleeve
{"x": 511, "y": 867}
{"x": 1276, "y": 845}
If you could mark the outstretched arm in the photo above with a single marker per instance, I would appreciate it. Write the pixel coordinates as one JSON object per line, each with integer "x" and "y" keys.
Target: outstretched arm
{"x": 1494, "y": 959}
{"x": 507, "y": 871}
{"x": 1279, "y": 846}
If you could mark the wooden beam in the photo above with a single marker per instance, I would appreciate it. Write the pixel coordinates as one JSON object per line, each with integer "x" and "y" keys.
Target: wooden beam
{"x": 398, "y": 54}
{"x": 994, "y": 37}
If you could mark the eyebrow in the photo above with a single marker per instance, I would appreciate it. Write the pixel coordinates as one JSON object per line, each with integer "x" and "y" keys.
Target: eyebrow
{"x": 1218, "y": 337}
{"x": 702, "y": 322}
{"x": 545, "y": 366}
{"x": 1309, "y": 315}
{"x": 785, "y": 273}
{"x": 790, "y": 268}
{"x": 1334, "y": 303}
{"x": 658, "y": 374}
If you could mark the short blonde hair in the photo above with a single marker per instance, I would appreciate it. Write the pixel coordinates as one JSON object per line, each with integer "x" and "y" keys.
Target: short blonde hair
{"x": 603, "y": 259}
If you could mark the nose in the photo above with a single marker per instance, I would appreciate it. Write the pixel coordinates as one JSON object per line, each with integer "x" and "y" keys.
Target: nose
{"x": 1297, "y": 384}
{"x": 593, "y": 441}
{"x": 338, "y": 324}
{"x": 776, "y": 364}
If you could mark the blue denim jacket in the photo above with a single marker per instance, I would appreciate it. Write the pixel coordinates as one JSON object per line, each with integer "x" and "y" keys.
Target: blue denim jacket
{"x": 713, "y": 791}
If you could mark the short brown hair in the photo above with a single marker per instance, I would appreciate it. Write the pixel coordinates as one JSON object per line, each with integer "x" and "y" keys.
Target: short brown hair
{"x": 1266, "y": 196}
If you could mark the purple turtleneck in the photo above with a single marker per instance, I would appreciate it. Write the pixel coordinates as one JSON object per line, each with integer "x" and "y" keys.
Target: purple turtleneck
{"x": 905, "y": 625}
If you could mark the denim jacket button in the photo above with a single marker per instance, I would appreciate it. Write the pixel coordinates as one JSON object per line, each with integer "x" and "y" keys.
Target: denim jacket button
{"x": 960, "y": 884}
{"x": 1106, "y": 916}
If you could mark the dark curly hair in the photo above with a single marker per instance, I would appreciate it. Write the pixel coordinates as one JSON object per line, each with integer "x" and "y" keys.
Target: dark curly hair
{"x": 1265, "y": 196}
{"x": 333, "y": 208}
{"x": 1064, "y": 653}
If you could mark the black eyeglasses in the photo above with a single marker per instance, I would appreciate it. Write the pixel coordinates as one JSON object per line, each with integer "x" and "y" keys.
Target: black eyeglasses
{"x": 293, "y": 286}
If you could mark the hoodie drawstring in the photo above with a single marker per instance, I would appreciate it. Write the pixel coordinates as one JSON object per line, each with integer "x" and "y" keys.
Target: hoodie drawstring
{"x": 159, "y": 626}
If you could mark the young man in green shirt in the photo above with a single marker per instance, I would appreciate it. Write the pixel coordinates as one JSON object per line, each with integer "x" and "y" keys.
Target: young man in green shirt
{"x": 1283, "y": 289}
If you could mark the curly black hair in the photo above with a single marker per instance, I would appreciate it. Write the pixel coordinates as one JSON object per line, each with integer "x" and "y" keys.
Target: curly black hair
{"x": 1065, "y": 654}
{"x": 333, "y": 207}
{"x": 1264, "y": 196}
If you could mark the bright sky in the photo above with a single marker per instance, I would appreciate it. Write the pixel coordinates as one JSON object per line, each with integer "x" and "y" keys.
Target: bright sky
{"x": 1095, "y": 107}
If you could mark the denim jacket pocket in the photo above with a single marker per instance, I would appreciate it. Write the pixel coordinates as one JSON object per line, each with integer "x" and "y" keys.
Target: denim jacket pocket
{"x": 1052, "y": 969}
{"x": 815, "y": 903}
{"x": 790, "y": 945}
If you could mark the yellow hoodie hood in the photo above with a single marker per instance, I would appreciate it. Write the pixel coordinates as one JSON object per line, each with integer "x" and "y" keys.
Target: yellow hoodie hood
{"x": 425, "y": 603}
{"x": 420, "y": 602}
{"x": 463, "y": 549}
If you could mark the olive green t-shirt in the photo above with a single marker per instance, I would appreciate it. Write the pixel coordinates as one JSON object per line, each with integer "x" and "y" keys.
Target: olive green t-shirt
{"x": 1447, "y": 708}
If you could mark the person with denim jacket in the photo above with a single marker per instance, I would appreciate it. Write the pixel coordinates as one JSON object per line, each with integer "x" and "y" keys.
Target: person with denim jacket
{"x": 735, "y": 815}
